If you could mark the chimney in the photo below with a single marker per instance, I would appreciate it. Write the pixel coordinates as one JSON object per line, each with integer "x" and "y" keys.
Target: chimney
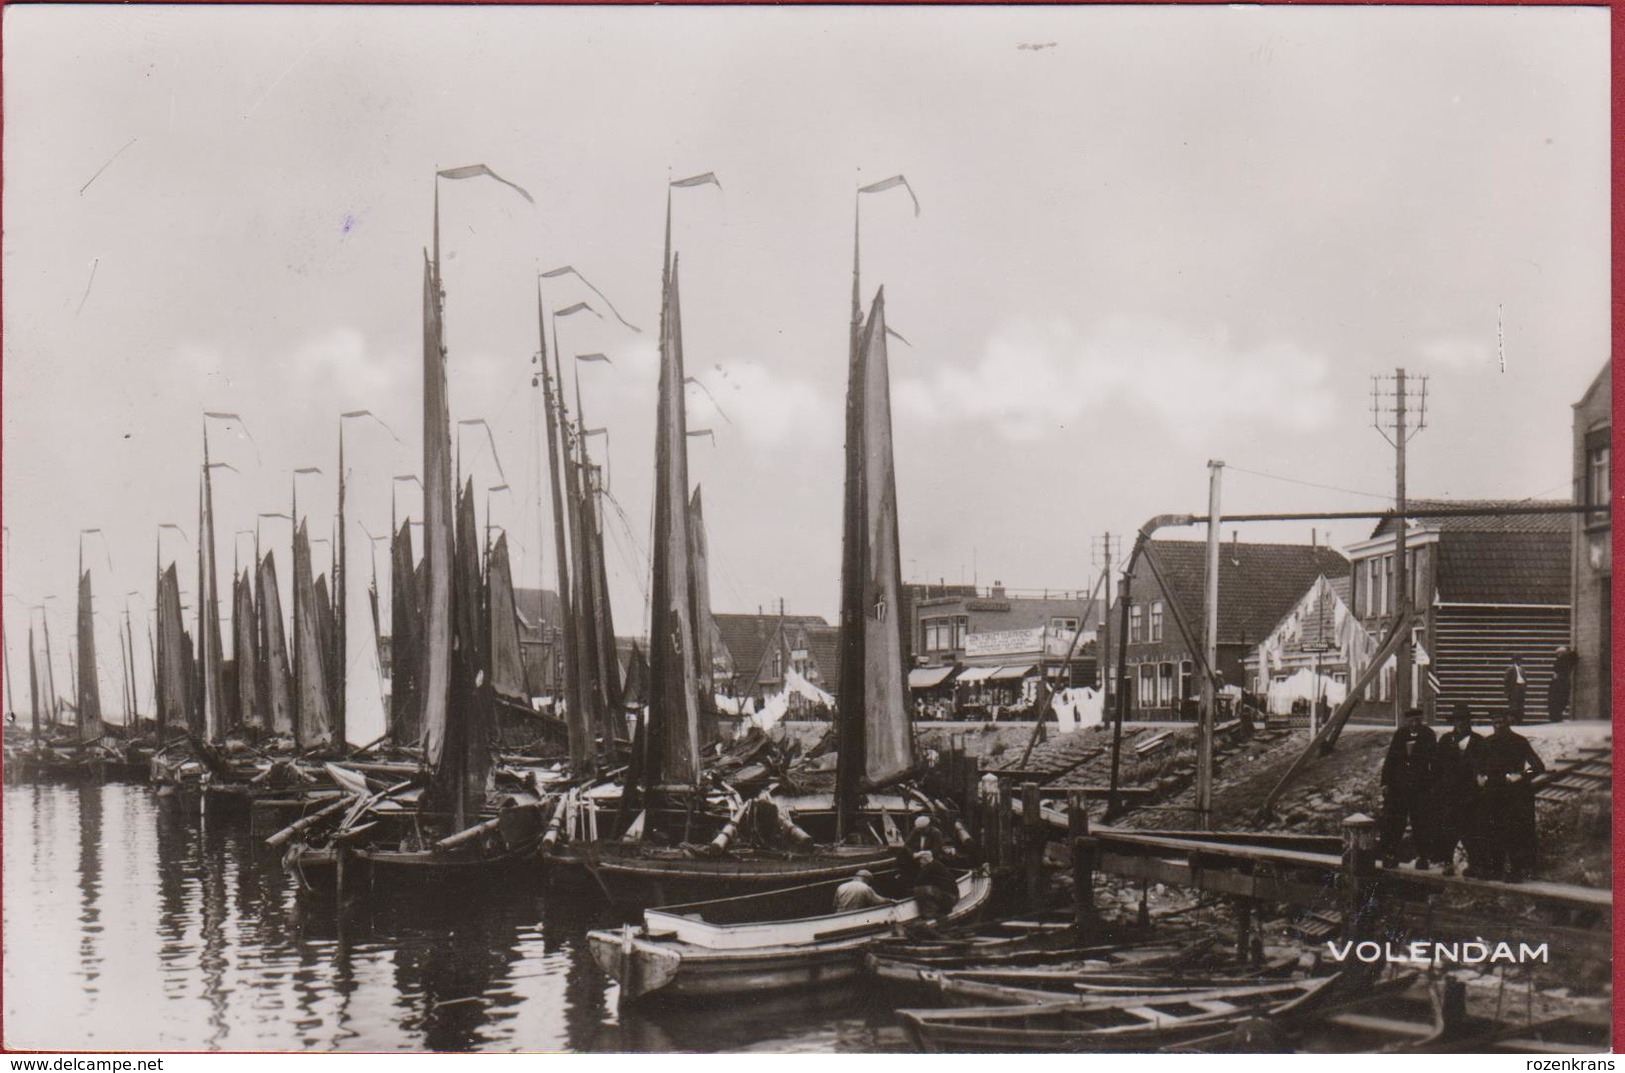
{"x": 998, "y": 590}
{"x": 1314, "y": 540}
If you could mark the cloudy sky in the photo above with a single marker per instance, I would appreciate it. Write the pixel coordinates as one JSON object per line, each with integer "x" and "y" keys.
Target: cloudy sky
{"x": 1148, "y": 238}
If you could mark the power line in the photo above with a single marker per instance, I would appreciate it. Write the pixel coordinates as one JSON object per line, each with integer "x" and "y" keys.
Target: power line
{"x": 1310, "y": 484}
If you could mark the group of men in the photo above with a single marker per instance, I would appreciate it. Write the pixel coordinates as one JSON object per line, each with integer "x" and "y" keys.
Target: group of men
{"x": 922, "y": 865}
{"x": 1465, "y": 789}
{"x": 1515, "y": 683}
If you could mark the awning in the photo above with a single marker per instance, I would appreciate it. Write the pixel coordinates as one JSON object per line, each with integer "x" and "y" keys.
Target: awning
{"x": 1012, "y": 674}
{"x": 928, "y": 677}
{"x": 973, "y": 675}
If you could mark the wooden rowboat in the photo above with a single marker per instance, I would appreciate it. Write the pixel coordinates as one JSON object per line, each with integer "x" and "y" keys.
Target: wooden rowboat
{"x": 1133, "y": 1023}
{"x": 748, "y": 945}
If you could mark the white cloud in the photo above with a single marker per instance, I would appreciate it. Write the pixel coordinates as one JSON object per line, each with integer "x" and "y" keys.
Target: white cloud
{"x": 1035, "y": 378}
{"x": 1455, "y": 352}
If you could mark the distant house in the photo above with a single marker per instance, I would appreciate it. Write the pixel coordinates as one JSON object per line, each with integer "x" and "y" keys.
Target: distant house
{"x": 1314, "y": 652}
{"x": 539, "y": 619}
{"x": 753, "y": 653}
{"x": 1593, "y": 550}
{"x": 1258, "y": 585}
{"x": 1489, "y": 588}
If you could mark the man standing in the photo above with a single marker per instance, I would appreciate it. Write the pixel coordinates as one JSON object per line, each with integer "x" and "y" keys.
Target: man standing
{"x": 1557, "y": 696}
{"x": 935, "y": 888}
{"x": 1454, "y": 811}
{"x": 925, "y": 836}
{"x": 1406, "y": 771}
{"x": 1516, "y": 686}
{"x": 1507, "y": 767}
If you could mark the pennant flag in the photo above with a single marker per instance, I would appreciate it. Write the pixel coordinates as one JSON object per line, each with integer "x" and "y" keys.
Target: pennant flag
{"x": 241, "y": 427}
{"x": 887, "y": 184}
{"x": 594, "y": 357}
{"x": 375, "y": 417}
{"x": 480, "y": 421}
{"x": 693, "y": 382}
{"x": 699, "y": 180}
{"x": 475, "y": 170}
{"x": 704, "y": 432}
{"x": 577, "y": 308}
{"x": 567, "y": 270}
{"x": 898, "y": 336}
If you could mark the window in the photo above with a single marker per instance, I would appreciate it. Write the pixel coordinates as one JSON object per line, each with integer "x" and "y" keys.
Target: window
{"x": 1598, "y": 486}
{"x": 1388, "y": 594}
{"x": 1059, "y": 626}
{"x": 1165, "y": 685}
{"x": 943, "y": 634}
{"x": 1187, "y": 679}
{"x": 1147, "y": 695}
{"x": 1156, "y": 620}
{"x": 1133, "y": 622}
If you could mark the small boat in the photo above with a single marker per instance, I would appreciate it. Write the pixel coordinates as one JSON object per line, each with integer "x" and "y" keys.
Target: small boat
{"x": 750, "y": 944}
{"x": 1016, "y": 987}
{"x": 1128, "y": 1023}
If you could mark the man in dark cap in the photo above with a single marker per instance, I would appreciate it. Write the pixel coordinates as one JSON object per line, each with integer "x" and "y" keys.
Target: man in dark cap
{"x": 1406, "y": 771}
{"x": 1562, "y": 685}
{"x": 1507, "y": 766}
{"x": 935, "y": 888}
{"x": 1453, "y": 807}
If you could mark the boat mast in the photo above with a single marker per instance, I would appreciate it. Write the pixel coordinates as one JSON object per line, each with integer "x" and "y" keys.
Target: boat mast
{"x": 341, "y": 601}
{"x": 849, "y": 710}
{"x": 580, "y": 730}
{"x": 33, "y": 684}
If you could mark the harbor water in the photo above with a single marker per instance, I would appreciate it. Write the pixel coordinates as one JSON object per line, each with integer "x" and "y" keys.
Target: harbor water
{"x": 129, "y": 927}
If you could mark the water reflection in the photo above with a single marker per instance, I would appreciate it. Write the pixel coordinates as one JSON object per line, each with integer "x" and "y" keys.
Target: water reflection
{"x": 102, "y": 886}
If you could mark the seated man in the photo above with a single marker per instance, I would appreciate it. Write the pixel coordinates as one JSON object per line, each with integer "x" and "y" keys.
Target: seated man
{"x": 935, "y": 888}
{"x": 925, "y": 836}
{"x": 856, "y": 893}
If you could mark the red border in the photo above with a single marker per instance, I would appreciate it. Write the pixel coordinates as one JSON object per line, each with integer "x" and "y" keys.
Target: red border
{"x": 1617, "y": 92}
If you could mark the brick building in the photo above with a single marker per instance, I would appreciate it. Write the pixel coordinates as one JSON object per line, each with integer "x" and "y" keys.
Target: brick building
{"x": 1593, "y": 559}
{"x": 750, "y": 654}
{"x": 1489, "y": 588}
{"x": 1258, "y": 585}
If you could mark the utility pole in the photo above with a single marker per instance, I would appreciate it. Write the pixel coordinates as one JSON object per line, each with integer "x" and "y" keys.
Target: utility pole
{"x": 1398, "y": 432}
{"x": 1210, "y": 654}
{"x": 1104, "y": 557}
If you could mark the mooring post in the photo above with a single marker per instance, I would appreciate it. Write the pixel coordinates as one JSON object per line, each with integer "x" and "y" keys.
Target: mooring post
{"x": 1359, "y": 870}
{"x": 1034, "y": 839}
{"x": 1083, "y": 861}
{"x": 1006, "y": 816}
{"x": 1244, "y": 927}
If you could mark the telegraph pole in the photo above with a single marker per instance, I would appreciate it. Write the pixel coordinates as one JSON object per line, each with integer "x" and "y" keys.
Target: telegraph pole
{"x": 1210, "y": 654}
{"x": 1104, "y": 557}
{"x": 1398, "y": 433}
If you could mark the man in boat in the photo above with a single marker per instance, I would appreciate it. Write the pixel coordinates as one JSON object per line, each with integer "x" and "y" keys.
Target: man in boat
{"x": 856, "y": 893}
{"x": 925, "y": 837}
{"x": 1456, "y": 815}
{"x": 1406, "y": 773}
{"x": 935, "y": 889}
{"x": 1507, "y": 766}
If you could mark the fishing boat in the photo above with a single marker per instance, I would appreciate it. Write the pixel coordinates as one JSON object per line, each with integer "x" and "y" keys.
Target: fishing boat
{"x": 457, "y": 816}
{"x": 679, "y": 833}
{"x": 759, "y": 942}
{"x": 1025, "y": 987}
{"x": 1126, "y": 1023}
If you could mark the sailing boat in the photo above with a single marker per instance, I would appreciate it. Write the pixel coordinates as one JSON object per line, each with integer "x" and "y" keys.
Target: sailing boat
{"x": 457, "y": 818}
{"x": 661, "y": 857}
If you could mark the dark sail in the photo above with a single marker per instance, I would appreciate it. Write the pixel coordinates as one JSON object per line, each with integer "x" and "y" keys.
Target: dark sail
{"x": 467, "y": 759}
{"x": 315, "y": 725}
{"x": 507, "y": 665}
{"x": 175, "y": 707}
{"x": 90, "y": 698}
{"x": 279, "y": 687}
{"x": 613, "y": 723}
{"x": 704, "y": 626}
{"x": 435, "y": 665}
{"x": 245, "y": 651}
{"x": 674, "y": 713}
{"x": 875, "y": 735}
{"x": 405, "y": 642}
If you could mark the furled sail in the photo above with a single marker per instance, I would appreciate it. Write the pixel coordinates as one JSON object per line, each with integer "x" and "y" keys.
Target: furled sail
{"x": 315, "y": 724}
{"x": 704, "y": 627}
{"x": 507, "y": 665}
{"x": 245, "y": 650}
{"x": 33, "y": 687}
{"x": 435, "y": 666}
{"x": 674, "y": 711}
{"x": 90, "y": 699}
{"x": 876, "y": 740}
{"x": 613, "y": 722}
{"x": 279, "y": 685}
{"x": 405, "y": 642}
{"x": 214, "y": 693}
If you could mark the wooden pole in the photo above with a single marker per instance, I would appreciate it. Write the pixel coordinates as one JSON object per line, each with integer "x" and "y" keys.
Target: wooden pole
{"x": 1083, "y": 861}
{"x": 1210, "y": 655}
{"x": 1359, "y": 870}
{"x": 1033, "y": 840}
